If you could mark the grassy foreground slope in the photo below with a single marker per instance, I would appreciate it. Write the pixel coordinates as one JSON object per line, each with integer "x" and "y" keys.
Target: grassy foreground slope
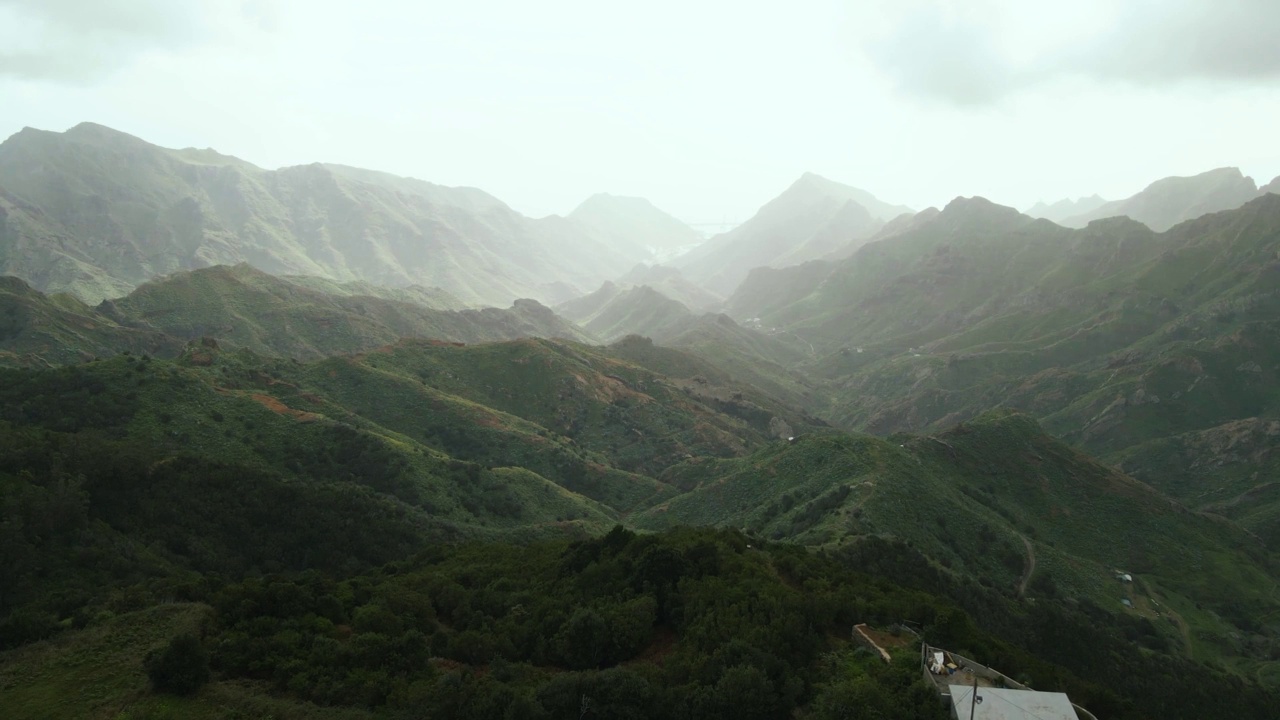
{"x": 97, "y": 673}
{"x": 681, "y": 624}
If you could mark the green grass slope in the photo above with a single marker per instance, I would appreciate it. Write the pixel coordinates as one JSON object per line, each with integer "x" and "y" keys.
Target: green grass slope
{"x": 97, "y": 673}
{"x": 248, "y": 308}
{"x": 976, "y": 499}
{"x": 639, "y": 310}
{"x": 1120, "y": 340}
{"x": 432, "y": 298}
{"x": 38, "y": 330}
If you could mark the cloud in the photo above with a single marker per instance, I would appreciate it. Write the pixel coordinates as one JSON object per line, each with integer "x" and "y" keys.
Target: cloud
{"x": 978, "y": 53}
{"x": 80, "y": 41}
{"x": 1224, "y": 39}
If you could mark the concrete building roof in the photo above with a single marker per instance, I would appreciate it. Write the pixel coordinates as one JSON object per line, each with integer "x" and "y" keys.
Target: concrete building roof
{"x": 1007, "y": 704}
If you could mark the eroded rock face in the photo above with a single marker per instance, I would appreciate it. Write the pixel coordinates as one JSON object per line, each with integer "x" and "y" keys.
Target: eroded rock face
{"x": 780, "y": 428}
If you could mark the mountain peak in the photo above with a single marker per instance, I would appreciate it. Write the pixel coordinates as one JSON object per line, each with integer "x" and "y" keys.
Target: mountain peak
{"x": 1208, "y": 178}
{"x": 812, "y": 186}
{"x": 531, "y": 305}
{"x": 975, "y": 205}
{"x": 1171, "y": 200}
{"x": 607, "y": 202}
{"x": 979, "y": 211}
{"x": 634, "y": 227}
{"x": 823, "y": 185}
{"x": 92, "y": 127}
{"x": 101, "y": 133}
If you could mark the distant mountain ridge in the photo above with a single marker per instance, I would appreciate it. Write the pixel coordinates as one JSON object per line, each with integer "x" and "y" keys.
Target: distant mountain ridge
{"x": 633, "y": 227}
{"x": 811, "y": 219}
{"x": 613, "y": 312}
{"x": 97, "y": 212}
{"x": 1065, "y": 208}
{"x": 671, "y": 282}
{"x": 1167, "y": 202}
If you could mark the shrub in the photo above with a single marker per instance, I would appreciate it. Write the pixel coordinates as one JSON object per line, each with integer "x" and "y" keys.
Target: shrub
{"x": 179, "y": 668}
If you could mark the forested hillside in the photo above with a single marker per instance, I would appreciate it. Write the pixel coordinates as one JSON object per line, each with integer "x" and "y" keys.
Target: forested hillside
{"x": 262, "y": 454}
{"x": 1138, "y": 347}
{"x": 311, "y": 515}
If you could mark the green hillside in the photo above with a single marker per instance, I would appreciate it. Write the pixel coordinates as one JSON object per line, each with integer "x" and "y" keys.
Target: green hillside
{"x": 611, "y": 313}
{"x": 429, "y": 297}
{"x": 270, "y": 490}
{"x": 688, "y": 623}
{"x": 754, "y": 358}
{"x": 671, "y": 282}
{"x": 247, "y": 308}
{"x": 998, "y": 500}
{"x": 1115, "y": 337}
{"x": 465, "y": 439}
{"x": 37, "y": 330}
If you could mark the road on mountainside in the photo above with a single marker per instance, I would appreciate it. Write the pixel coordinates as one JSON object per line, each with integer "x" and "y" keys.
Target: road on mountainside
{"x": 1030, "y": 566}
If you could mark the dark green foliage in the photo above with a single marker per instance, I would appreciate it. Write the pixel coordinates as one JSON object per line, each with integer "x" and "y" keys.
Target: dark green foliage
{"x": 180, "y": 668}
{"x": 879, "y": 691}
{"x": 1060, "y": 645}
{"x": 689, "y": 624}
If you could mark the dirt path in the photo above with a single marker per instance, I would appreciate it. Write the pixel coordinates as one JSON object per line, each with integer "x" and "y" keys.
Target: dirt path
{"x": 1030, "y": 566}
{"x": 1183, "y": 628}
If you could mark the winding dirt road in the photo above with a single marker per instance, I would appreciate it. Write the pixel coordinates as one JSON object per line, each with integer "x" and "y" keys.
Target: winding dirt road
{"x": 1030, "y": 566}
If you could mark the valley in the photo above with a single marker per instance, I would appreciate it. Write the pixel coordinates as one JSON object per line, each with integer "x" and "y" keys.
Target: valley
{"x": 384, "y": 447}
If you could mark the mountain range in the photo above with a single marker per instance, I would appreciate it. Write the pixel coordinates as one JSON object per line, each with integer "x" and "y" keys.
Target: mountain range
{"x": 1061, "y": 210}
{"x": 96, "y": 212}
{"x": 1166, "y": 202}
{"x": 1118, "y": 338}
{"x": 262, "y": 455}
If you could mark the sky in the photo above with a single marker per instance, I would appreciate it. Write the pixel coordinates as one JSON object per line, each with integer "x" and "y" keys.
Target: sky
{"x": 707, "y": 108}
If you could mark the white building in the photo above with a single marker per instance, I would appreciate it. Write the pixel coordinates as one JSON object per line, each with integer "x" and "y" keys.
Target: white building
{"x": 1009, "y": 704}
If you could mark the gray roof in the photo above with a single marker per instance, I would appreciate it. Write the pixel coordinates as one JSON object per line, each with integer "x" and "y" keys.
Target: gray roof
{"x": 1007, "y": 704}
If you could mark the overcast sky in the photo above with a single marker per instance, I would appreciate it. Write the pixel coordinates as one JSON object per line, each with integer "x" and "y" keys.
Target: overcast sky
{"x": 708, "y": 109}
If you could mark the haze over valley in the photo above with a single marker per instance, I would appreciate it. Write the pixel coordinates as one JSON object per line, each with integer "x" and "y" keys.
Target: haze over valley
{"x": 533, "y": 373}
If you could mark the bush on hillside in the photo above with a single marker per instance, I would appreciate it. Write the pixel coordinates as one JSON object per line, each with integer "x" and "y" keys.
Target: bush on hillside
{"x": 179, "y": 668}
